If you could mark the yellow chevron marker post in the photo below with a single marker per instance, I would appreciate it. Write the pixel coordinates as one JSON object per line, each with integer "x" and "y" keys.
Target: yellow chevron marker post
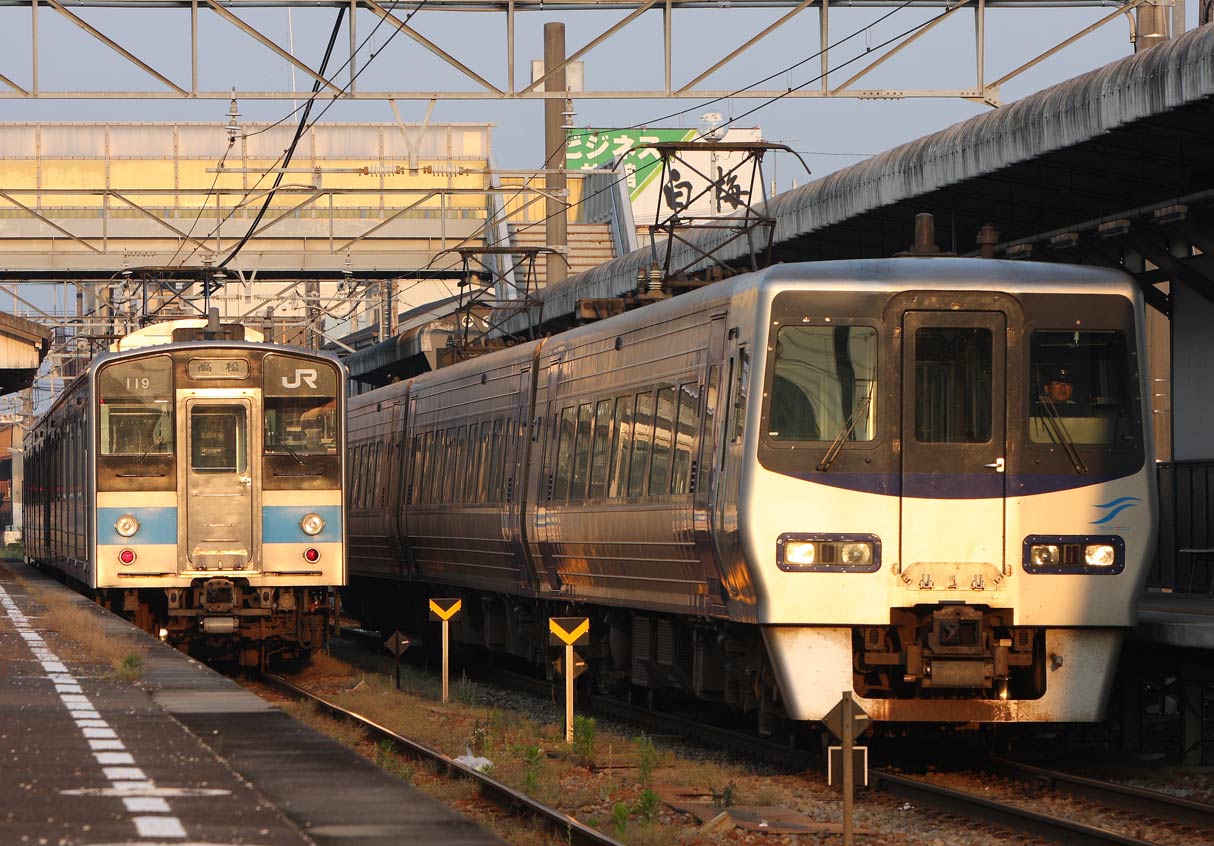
{"x": 569, "y": 632}
{"x": 443, "y": 610}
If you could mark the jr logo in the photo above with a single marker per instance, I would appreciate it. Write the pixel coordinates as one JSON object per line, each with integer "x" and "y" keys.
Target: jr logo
{"x": 303, "y": 376}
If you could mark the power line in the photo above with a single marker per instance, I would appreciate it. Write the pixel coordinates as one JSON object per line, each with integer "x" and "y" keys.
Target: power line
{"x": 495, "y": 218}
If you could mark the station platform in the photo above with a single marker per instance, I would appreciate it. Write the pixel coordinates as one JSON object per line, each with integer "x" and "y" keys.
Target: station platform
{"x": 1175, "y": 619}
{"x": 182, "y": 756}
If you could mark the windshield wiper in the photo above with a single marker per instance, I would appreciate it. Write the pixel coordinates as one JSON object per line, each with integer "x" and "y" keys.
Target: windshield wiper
{"x": 280, "y": 442}
{"x": 158, "y": 442}
{"x": 848, "y": 427}
{"x": 1061, "y": 434}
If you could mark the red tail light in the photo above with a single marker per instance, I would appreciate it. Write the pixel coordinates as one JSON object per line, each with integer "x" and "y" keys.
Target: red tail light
{"x": 127, "y": 556}
{"x": 311, "y": 555}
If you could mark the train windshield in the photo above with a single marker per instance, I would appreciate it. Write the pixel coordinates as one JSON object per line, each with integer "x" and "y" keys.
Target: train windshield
{"x": 1079, "y": 388}
{"x": 136, "y": 407}
{"x": 824, "y": 384}
{"x": 300, "y": 407}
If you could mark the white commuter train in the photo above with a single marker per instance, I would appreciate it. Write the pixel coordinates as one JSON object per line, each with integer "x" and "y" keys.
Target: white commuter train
{"x": 926, "y": 480}
{"x": 192, "y": 480}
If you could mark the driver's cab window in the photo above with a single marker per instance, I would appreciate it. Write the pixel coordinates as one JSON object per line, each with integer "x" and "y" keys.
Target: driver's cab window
{"x": 135, "y": 402}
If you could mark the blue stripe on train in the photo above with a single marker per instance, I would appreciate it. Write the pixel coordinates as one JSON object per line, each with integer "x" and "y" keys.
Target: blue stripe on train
{"x": 280, "y": 523}
{"x": 156, "y": 525}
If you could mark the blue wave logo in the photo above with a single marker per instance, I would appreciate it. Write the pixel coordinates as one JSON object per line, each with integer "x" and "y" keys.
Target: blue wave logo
{"x": 1115, "y": 506}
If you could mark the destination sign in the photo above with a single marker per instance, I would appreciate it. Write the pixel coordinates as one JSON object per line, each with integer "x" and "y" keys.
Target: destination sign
{"x": 218, "y": 368}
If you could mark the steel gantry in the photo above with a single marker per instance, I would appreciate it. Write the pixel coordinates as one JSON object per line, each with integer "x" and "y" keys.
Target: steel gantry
{"x": 830, "y": 69}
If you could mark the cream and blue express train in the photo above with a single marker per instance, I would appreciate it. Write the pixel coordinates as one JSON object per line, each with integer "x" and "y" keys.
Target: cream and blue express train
{"x": 928, "y": 481}
{"x": 192, "y": 479}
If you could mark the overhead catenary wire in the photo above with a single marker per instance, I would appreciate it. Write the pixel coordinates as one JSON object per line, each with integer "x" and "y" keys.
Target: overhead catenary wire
{"x": 316, "y": 90}
{"x": 494, "y": 219}
{"x": 286, "y": 158}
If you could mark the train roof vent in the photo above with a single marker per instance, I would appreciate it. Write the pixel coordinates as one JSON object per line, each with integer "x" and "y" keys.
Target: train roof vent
{"x": 925, "y": 238}
{"x": 190, "y": 329}
{"x": 225, "y": 332}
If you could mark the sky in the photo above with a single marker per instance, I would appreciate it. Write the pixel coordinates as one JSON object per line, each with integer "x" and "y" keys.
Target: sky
{"x": 830, "y": 133}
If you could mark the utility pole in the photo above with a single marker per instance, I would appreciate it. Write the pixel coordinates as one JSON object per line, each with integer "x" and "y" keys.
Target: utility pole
{"x": 556, "y": 204}
{"x": 312, "y": 300}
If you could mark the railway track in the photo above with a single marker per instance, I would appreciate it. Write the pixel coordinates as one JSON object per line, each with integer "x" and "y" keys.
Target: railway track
{"x": 921, "y": 793}
{"x": 563, "y": 826}
{"x": 1150, "y": 803}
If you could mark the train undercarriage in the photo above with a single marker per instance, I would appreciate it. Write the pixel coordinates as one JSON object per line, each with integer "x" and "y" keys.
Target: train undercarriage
{"x": 229, "y": 620}
{"x": 951, "y": 652}
{"x": 927, "y": 654}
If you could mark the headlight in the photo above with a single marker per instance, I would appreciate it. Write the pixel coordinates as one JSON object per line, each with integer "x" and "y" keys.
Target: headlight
{"x": 828, "y": 553}
{"x": 800, "y": 553}
{"x": 1074, "y": 555}
{"x": 126, "y": 525}
{"x": 1099, "y": 555}
{"x": 1045, "y": 555}
{"x": 312, "y": 524}
{"x": 856, "y": 554}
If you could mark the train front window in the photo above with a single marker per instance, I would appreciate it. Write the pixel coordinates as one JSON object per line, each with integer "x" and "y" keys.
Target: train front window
{"x": 300, "y": 407}
{"x": 824, "y": 382}
{"x": 1078, "y": 389}
{"x": 136, "y": 407}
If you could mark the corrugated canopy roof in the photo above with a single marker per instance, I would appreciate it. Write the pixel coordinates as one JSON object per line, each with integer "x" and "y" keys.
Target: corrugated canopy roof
{"x": 1135, "y": 132}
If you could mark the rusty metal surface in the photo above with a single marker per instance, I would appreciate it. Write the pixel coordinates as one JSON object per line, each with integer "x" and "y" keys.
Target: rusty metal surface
{"x": 1151, "y": 85}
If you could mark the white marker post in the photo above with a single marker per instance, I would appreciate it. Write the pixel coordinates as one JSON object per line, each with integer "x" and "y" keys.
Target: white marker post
{"x": 569, "y": 632}
{"x": 443, "y": 610}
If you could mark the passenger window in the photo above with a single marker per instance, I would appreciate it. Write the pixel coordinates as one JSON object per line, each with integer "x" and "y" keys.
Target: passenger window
{"x": 659, "y": 473}
{"x": 416, "y": 481}
{"x": 740, "y": 391}
{"x": 356, "y": 477}
{"x": 510, "y": 442}
{"x": 564, "y": 455}
{"x": 623, "y": 445}
{"x": 459, "y": 469}
{"x": 448, "y": 463}
{"x": 642, "y": 438}
{"x": 581, "y": 452}
{"x": 431, "y": 469}
{"x": 685, "y": 432}
{"x": 600, "y": 446}
{"x": 380, "y": 467}
{"x": 495, "y": 468}
{"x": 482, "y": 475}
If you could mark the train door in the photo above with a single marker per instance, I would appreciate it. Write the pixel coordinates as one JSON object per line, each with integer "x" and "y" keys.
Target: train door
{"x": 954, "y": 421}
{"x": 529, "y": 448}
{"x": 544, "y": 453}
{"x": 219, "y": 480}
{"x": 706, "y": 473}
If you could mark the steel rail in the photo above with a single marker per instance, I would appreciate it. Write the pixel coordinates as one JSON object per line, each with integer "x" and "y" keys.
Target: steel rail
{"x": 938, "y": 798}
{"x": 516, "y": 802}
{"x": 1150, "y": 803}
{"x": 926, "y": 794}
{"x": 1004, "y": 814}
